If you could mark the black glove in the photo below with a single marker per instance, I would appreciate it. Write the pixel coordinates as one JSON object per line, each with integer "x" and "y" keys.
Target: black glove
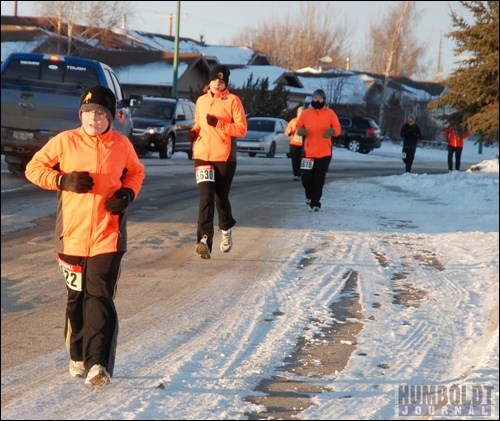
{"x": 212, "y": 120}
{"x": 120, "y": 200}
{"x": 193, "y": 135}
{"x": 76, "y": 181}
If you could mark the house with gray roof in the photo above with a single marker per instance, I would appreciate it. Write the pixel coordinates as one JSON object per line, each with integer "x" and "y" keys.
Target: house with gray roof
{"x": 144, "y": 63}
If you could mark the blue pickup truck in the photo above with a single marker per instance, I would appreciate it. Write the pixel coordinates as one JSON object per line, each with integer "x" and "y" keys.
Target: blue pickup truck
{"x": 41, "y": 96}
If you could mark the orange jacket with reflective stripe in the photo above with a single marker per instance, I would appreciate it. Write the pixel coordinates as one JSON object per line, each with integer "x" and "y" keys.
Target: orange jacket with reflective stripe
{"x": 83, "y": 226}
{"x": 454, "y": 140}
{"x": 218, "y": 144}
{"x": 290, "y": 131}
{"x": 316, "y": 122}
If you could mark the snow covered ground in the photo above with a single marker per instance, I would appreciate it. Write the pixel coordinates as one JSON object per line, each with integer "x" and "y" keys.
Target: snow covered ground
{"x": 398, "y": 280}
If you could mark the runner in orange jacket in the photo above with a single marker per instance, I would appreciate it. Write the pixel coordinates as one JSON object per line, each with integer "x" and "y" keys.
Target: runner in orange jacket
{"x": 318, "y": 125}
{"x": 97, "y": 175}
{"x": 219, "y": 120}
{"x": 295, "y": 144}
{"x": 455, "y": 139}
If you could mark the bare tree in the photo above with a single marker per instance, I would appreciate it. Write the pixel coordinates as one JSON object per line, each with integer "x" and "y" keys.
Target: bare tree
{"x": 71, "y": 20}
{"x": 299, "y": 41}
{"x": 337, "y": 87}
{"x": 105, "y": 14}
{"x": 66, "y": 15}
{"x": 392, "y": 46}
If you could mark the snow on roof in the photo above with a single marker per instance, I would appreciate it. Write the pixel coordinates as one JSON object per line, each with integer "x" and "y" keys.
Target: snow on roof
{"x": 20, "y": 46}
{"x": 158, "y": 73}
{"x": 239, "y": 76}
{"x": 226, "y": 54}
{"x": 353, "y": 85}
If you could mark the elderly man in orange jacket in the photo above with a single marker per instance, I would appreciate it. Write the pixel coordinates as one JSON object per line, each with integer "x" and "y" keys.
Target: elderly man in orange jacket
{"x": 219, "y": 120}
{"x": 318, "y": 125}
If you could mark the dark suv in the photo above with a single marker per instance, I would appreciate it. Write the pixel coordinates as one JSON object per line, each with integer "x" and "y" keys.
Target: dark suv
{"x": 359, "y": 134}
{"x": 162, "y": 125}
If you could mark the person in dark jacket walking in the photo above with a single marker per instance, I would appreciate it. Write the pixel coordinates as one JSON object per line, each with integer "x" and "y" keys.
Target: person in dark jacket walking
{"x": 410, "y": 132}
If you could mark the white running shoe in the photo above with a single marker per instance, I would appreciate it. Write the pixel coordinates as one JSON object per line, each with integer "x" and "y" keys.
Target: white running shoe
{"x": 77, "y": 369}
{"x": 98, "y": 376}
{"x": 315, "y": 208}
{"x": 227, "y": 241}
{"x": 202, "y": 248}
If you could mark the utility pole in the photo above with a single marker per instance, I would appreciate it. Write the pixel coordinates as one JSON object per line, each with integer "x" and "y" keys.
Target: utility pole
{"x": 176, "y": 50}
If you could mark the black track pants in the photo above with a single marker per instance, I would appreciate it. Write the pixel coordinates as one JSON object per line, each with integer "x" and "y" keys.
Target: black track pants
{"x": 296, "y": 156}
{"x": 458, "y": 156}
{"x": 91, "y": 327}
{"x": 313, "y": 180}
{"x": 408, "y": 157}
{"x": 215, "y": 195}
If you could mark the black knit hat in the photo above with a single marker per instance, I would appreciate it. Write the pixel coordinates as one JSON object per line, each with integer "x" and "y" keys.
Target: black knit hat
{"x": 221, "y": 73}
{"x": 319, "y": 92}
{"x": 99, "y": 98}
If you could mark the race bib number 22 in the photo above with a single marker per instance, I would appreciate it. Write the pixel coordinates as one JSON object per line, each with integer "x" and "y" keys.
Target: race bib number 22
{"x": 72, "y": 274}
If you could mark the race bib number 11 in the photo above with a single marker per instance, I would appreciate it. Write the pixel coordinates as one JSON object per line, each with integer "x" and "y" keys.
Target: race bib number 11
{"x": 204, "y": 173}
{"x": 306, "y": 164}
{"x": 72, "y": 274}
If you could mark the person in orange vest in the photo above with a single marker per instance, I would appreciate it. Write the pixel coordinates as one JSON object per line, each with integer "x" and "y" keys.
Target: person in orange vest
{"x": 455, "y": 138}
{"x": 295, "y": 144}
{"x": 317, "y": 125}
{"x": 219, "y": 120}
{"x": 97, "y": 174}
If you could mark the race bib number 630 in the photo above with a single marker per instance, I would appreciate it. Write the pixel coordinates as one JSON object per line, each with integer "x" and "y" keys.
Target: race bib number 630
{"x": 72, "y": 274}
{"x": 204, "y": 173}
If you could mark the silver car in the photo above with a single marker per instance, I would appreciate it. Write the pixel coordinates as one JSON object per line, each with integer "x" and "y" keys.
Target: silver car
{"x": 265, "y": 136}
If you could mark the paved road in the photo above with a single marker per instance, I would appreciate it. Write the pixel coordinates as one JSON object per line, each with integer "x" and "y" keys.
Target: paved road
{"x": 162, "y": 234}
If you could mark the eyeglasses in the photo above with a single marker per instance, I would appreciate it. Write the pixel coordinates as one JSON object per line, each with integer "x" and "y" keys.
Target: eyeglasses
{"x": 98, "y": 113}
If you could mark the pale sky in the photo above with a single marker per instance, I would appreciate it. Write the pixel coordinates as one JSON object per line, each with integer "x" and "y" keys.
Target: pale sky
{"x": 220, "y": 21}
{"x": 425, "y": 251}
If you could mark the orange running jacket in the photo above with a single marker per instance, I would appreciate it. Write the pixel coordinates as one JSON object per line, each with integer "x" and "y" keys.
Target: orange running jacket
{"x": 316, "y": 122}
{"x": 83, "y": 226}
{"x": 455, "y": 140}
{"x": 218, "y": 144}
{"x": 290, "y": 130}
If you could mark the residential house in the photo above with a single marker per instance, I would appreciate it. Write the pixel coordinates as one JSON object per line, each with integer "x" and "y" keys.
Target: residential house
{"x": 144, "y": 63}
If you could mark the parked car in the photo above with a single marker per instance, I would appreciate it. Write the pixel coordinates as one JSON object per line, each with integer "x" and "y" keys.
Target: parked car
{"x": 162, "y": 125}
{"x": 265, "y": 136}
{"x": 359, "y": 134}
